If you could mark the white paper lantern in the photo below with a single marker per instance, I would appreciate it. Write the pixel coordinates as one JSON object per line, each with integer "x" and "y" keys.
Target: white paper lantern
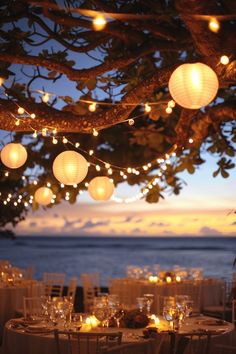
{"x": 13, "y": 155}
{"x": 101, "y": 188}
{"x": 43, "y": 195}
{"x": 70, "y": 168}
{"x": 193, "y": 85}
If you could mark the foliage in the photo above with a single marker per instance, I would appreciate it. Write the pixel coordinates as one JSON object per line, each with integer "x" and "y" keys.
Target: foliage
{"x": 51, "y": 49}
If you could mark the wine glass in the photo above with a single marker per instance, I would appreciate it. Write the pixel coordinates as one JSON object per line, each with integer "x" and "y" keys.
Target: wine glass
{"x": 149, "y": 300}
{"x": 141, "y": 302}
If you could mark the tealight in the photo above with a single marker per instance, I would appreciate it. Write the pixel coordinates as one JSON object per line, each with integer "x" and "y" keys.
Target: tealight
{"x": 178, "y": 279}
{"x": 153, "y": 279}
{"x": 155, "y": 320}
{"x": 168, "y": 279}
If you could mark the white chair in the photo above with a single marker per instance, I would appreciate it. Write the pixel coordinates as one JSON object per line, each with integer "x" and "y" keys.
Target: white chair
{"x": 90, "y": 284}
{"x": 87, "y": 342}
{"x": 222, "y": 308}
{"x": 233, "y": 311}
{"x": 32, "y": 306}
{"x": 53, "y": 284}
{"x": 72, "y": 288}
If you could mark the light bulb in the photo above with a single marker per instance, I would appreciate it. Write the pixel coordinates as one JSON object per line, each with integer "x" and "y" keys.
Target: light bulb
{"x": 168, "y": 110}
{"x": 45, "y": 98}
{"x": 21, "y": 110}
{"x": 224, "y": 60}
{"x": 131, "y": 121}
{"x": 214, "y": 25}
{"x": 99, "y": 22}
{"x": 92, "y": 107}
{"x": 32, "y": 115}
{"x": 95, "y": 132}
{"x": 17, "y": 122}
{"x": 147, "y": 108}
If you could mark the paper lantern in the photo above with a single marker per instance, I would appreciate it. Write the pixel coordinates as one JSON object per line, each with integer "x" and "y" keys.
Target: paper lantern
{"x": 193, "y": 85}
{"x": 70, "y": 168}
{"x": 101, "y": 188}
{"x": 13, "y": 155}
{"x": 43, "y": 195}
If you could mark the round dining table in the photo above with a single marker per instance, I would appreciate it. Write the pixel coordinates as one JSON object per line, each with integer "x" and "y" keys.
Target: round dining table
{"x": 18, "y": 339}
{"x": 204, "y": 293}
{"x": 11, "y": 298}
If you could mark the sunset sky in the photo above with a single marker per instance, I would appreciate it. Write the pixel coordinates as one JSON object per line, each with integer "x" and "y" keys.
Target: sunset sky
{"x": 202, "y": 209}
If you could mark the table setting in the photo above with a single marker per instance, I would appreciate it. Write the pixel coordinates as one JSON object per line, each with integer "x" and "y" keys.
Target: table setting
{"x": 108, "y": 316}
{"x": 13, "y": 288}
{"x": 161, "y": 282}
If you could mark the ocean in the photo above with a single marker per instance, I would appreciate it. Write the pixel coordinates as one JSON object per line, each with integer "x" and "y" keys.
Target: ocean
{"x": 110, "y": 255}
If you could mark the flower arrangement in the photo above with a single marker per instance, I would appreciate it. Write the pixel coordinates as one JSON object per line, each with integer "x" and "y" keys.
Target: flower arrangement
{"x": 134, "y": 319}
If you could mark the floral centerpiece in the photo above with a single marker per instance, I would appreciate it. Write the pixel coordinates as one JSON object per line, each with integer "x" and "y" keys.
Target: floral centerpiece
{"x": 134, "y": 319}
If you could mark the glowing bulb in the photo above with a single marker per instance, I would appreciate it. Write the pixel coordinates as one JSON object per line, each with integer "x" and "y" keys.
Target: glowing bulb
{"x": 190, "y": 140}
{"x": 44, "y": 132}
{"x": 214, "y": 25}
{"x": 45, "y": 98}
{"x": 99, "y": 22}
{"x": 32, "y": 116}
{"x": 65, "y": 140}
{"x": 92, "y": 107}
{"x": 34, "y": 135}
{"x": 1, "y": 81}
{"x": 98, "y": 168}
{"x": 54, "y": 140}
{"x": 168, "y": 110}
{"x": 17, "y": 122}
{"x": 131, "y": 121}
{"x": 171, "y": 103}
{"x": 95, "y": 132}
{"x": 224, "y": 60}
{"x": 147, "y": 108}
{"x": 21, "y": 110}
{"x": 91, "y": 152}
{"x": 77, "y": 145}
{"x": 110, "y": 171}
{"x": 107, "y": 165}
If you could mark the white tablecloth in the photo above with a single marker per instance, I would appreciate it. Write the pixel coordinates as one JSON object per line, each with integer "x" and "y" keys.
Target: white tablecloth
{"x": 19, "y": 342}
{"x": 203, "y": 292}
{"x": 11, "y": 298}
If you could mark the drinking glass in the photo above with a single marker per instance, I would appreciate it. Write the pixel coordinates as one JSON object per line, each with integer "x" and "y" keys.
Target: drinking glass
{"x": 141, "y": 302}
{"x": 149, "y": 300}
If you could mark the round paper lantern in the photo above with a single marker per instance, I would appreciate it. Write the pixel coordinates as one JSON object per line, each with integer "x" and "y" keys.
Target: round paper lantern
{"x": 70, "y": 168}
{"x": 193, "y": 85}
{"x": 101, "y": 188}
{"x": 43, "y": 195}
{"x": 13, "y": 155}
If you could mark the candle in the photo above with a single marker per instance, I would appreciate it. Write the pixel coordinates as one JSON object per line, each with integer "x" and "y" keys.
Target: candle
{"x": 153, "y": 279}
{"x": 178, "y": 279}
{"x": 168, "y": 279}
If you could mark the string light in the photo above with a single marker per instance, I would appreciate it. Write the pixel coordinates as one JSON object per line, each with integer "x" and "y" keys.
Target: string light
{"x": 77, "y": 145}
{"x": 99, "y": 22}
{"x": 171, "y": 103}
{"x": 34, "y": 135}
{"x": 54, "y": 140}
{"x": 190, "y": 140}
{"x": 95, "y": 132}
{"x": 44, "y": 132}
{"x": 224, "y": 60}
{"x": 21, "y": 110}
{"x": 147, "y": 108}
{"x": 45, "y": 98}
{"x": 91, "y": 152}
{"x": 214, "y": 25}
{"x": 131, "y": 122}
{"x": 33, "y": 116}
{"x": 92, "y": 107}
{"x": 64, "y": 140}
{"x": 17, "y": 122}
{"x": 98, "y": 168}
{"x": 168, "y": 110}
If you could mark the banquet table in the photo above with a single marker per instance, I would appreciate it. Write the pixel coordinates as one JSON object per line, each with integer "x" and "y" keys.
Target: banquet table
{"x": 205, "y": 292}
{"x": 19, "y": 340}
{"x": 11, "y": 298}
